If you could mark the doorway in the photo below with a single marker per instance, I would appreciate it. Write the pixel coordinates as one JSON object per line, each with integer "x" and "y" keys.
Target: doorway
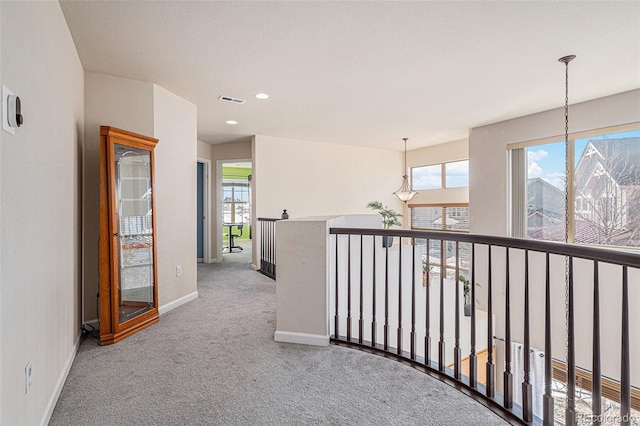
{"x": 203, "y": 211}
{"x": 234, "y": 203}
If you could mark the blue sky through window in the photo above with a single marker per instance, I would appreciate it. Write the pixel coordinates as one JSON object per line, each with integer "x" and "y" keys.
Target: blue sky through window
{"x": 426, "y": 177}
{"x": 430, "y": 177}
{"x": 457, "y": 174}
{"x": 547, "y": 161}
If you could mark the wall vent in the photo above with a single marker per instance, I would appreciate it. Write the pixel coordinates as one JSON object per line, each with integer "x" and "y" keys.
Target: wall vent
{"x": 230, "y": 99}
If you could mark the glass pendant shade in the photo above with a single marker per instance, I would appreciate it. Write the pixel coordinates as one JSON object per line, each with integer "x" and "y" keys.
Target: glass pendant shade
{"x": 405, "y": 192}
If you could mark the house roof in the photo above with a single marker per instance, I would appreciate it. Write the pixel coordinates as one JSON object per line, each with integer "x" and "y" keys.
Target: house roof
{"x": 539, "y": 181}
{"x": 584, "y": 232}
{"x": 544, "y": 197}
{"x": 624, "y": 158}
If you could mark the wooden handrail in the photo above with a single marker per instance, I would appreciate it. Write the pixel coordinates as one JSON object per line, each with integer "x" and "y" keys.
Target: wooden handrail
{"x": 375, "y": 256}
{"x": 613, "y": 256}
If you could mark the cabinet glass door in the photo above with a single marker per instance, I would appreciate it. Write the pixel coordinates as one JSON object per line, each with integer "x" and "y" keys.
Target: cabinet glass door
{"x": 134, "y": 238}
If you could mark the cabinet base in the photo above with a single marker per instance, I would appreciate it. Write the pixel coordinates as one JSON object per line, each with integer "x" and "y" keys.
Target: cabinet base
{"x": 111, "y": 338}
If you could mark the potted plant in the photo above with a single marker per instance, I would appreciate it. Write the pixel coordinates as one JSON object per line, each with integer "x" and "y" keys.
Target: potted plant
{"x": 466, "y": 291}
{"x": 389, "y": 219}
{"x": 426, "y": 269}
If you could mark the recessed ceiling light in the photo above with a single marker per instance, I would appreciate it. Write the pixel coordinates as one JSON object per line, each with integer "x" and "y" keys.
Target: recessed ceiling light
{"x": 262, "y": 96}
{"x": 231, "y": 122}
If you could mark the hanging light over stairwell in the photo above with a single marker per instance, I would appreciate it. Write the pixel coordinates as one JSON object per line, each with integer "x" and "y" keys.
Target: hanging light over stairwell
{"x": 405, "y": 192}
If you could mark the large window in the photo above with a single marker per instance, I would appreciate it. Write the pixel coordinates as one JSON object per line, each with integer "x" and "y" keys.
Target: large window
{"x": 450, "y": 217}
{"x": 603, "y": 187}
{"x": 440, "y": 176}
{"x": 235, "y": 193}
{"x": 440, "y": 217}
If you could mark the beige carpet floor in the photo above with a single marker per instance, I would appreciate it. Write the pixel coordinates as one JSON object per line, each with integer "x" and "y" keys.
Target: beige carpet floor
{"x": 213, "y": 361}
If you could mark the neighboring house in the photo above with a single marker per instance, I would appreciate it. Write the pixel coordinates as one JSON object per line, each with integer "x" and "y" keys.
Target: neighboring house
{"x": 607, "y": 191}
{"x": 607, "y": 197}
{"x": 545, "y": 209}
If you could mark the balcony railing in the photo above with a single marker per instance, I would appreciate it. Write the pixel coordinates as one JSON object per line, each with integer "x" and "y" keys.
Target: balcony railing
{"x": 567, "y": 305}
{"x": 267, "y": 229}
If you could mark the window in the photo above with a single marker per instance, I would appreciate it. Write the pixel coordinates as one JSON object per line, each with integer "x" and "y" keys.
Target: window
{"x": 610, "y": 389}
{"x": 450, "y": 217}
{"x": 235, "y": 195}
{"x": 456, "y": 174}
{"x": 426, "y": 177}
{"x": 440, "y": 176}
{"x": 545, "y": 191}
{"x": 604, "y": 187}
{"x": 440, "y": 217}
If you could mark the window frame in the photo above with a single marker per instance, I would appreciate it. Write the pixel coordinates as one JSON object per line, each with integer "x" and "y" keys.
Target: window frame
{"x": 448, "y": 270}
{"x": 444, "y": 206}
{"x": 443, "y": 175}
{"x": 233, "y": 184}
{"x": 571, "y": 207}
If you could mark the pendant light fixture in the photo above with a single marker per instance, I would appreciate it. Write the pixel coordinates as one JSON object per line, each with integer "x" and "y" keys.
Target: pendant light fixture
{"x": 405, "y": 193}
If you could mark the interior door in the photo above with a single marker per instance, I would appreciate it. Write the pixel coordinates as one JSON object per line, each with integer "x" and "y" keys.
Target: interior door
{"x": 200, "y": 211}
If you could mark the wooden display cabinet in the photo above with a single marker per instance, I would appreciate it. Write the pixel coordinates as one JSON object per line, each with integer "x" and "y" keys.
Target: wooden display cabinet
{"x": 128, "y": 276}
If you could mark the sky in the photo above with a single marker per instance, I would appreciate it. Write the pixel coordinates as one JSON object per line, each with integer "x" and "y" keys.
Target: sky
{"x": 547, "y": 161}
{"x": 543, "y": 161}
{"x": 430, "y": 177}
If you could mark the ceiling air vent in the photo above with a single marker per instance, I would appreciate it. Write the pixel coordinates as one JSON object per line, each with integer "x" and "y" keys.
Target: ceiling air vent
{"x": 230, "y": 99}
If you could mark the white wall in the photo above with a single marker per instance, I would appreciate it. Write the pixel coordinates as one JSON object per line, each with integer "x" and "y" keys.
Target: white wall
{"x": 40, "y": 175}
{"x": 489, "y": 182}
{"x": 1, "y": 141}
{"x": 312, "y": 178}
{"x": 150, "y": 110}
{"x": 110, "y": 101}
{"x": 488, "y": 151}
{"x": 175, "y": 127}
{"x": 317, "y": 179}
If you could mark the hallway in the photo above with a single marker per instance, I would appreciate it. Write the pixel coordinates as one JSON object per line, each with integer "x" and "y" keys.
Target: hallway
{"x": 214, "y": 361}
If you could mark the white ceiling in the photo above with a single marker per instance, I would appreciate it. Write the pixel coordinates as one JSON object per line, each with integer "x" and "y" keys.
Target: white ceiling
{"x": 363, "y": 73}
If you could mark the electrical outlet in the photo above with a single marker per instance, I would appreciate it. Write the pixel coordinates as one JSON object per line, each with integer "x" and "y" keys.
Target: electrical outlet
{"x": 178, "y": 271}
{"x": 27, "y": 377}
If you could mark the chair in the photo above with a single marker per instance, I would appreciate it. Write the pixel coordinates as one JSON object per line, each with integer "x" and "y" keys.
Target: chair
{"x": 232, "y": 244}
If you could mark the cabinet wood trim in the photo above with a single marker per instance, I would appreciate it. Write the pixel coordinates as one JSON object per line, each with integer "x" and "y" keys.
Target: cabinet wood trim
{"x": 111, "y": 330}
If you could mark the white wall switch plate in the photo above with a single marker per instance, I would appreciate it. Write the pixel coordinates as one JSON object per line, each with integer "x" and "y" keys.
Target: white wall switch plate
{"x": 178, "y": 271}
{"x": 5, "y": 108}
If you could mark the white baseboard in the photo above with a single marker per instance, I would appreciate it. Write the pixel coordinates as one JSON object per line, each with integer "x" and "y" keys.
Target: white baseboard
{"x": 178, "y": 302}
{"x": 60, "y": 384}
{"x": 94, "y": 323}
{"x": 161, "y": 310}
{"x": 301, "y": 338}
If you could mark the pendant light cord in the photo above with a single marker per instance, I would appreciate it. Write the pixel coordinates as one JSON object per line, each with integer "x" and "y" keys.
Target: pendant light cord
{"x": 570, "y": 403}
{"x": 405, "y": 159}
